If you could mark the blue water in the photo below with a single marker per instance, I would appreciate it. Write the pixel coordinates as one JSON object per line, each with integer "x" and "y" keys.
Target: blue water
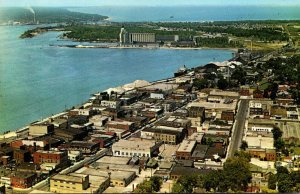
{"x": 195, "y": 13}
{"x": 37, "y": 80}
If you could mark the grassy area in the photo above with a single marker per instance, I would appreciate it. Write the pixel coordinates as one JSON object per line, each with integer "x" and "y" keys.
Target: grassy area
{"x": 264, "y": 84}
{"x": 296, "y": 150}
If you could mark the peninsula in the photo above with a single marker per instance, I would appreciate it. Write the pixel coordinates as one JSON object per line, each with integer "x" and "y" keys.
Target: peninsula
{"x": 255, "y": 35}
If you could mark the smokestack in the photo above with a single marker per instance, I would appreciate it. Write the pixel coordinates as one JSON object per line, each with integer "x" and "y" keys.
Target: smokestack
{"x": 33, "y": 12}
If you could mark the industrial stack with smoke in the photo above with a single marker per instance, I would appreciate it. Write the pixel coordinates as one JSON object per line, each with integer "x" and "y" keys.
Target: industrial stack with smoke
{"x": 32, "y": 11}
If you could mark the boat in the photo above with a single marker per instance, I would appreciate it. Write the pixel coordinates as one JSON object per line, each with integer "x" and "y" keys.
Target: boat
{"x": 181, "y": 71}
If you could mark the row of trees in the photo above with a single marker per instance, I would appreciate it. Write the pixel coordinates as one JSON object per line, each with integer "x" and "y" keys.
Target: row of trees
{"x": 264, "y": 34}
{"x": 217, "y": 42}
{"x": 235, "y": 176}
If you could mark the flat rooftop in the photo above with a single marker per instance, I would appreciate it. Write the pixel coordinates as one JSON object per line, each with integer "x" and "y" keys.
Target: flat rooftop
{"x": 213, "y": 105}
{"x": 140, "y": 144}
{"x": 94, "y": 180}
{"x": 69, "y": 178}
{"x": 114, "y": 160}
{"x": 115, "y": 174}
{"x": 290, "y": 129}
{"x": 224, "y": 93}
{"x": 260, "y": 142}
{"x": 186, "y": 146}
{"x": 162, "y": 86}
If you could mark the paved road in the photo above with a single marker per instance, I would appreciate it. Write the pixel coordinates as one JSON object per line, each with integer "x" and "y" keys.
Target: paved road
{"x": 237, "y": 135}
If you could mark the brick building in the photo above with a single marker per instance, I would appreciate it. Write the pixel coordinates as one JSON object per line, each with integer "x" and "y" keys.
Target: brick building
{"x": 58, "y": 157}
{"x": 22, "y": 156}
{"x": 22, "y": 180}
{"x": 185, "y": 149}
{"x": 227, "y": 116}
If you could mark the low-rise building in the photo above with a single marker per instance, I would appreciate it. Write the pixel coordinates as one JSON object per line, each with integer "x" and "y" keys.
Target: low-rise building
{"x": 170, "y": 135}
{"x": 83, "y": 146}
{"x": 185, "y": 149}
{"x": 263, "y": 154}
{"x": 227, "y": 116}
{"x": 74, "y": 156}
{"x": 58, "y": 157}
{"x": 111, "y": 104}
{"x": 121, "y": 124}
{"x": 114, "y": 160}
{"x": 69, "y": 184}
{"x": 22, "y": 180}
{"x": 137, "y": 147}
{"x": 118, "y": 178}
{"x": 21, "y": 156}
{"x": 41, "y": 129}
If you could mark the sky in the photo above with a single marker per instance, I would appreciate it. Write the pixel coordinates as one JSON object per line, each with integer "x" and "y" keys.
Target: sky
{"x": 58, "y": 3}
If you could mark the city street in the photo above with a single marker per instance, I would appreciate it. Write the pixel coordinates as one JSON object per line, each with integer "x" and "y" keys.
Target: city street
{"x": 238, "y": 130}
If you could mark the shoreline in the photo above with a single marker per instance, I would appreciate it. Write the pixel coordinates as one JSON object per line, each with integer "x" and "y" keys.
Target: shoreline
{"x": 17, "y": 133}
{"x": 143, "y": 47}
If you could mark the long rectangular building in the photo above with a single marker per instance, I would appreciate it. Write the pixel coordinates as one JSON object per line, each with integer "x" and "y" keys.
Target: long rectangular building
{"x": 142, "y": 37}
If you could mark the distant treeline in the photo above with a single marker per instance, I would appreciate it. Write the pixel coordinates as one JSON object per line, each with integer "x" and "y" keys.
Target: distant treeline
{"x": 262, "y": 30}
{"x": 111, "y": 33}
{"x": 45, "y": 15}
{"x": 217, "y": 42}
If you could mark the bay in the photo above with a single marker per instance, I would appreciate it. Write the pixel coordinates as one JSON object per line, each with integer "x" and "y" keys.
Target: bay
{"x": 193, "y": 13}
{"x": 38, "y": 80}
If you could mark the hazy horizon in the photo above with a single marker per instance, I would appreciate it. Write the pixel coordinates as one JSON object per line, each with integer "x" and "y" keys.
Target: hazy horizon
{"x": 81, "y": 3}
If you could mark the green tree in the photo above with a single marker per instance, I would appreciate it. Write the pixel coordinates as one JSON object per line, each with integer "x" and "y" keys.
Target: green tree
{"x": 279, "y": 144}
{"x": 285, "y": 183}
{"x": 178, "y": 188}
{"x": 244, "y": 145}
{"x": 272, "y": 182}
{"x": 277, "y": 133}
{"x": 295, "y": 176}
{"x": 201, "y": 83}
{"x": 240, "y": 75}
{"x": 213, "y": 179}
{"x": 242, "y": 154}
{"x": 185, "y": 184}
{"x": 222, "y": 84}
{"x": 282, "y": 170}
{"x": 156, "y": 183}
{"x": 144, "y": 187}
{"x": 237, "y": 173}
{"x": 149, "y": 186}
